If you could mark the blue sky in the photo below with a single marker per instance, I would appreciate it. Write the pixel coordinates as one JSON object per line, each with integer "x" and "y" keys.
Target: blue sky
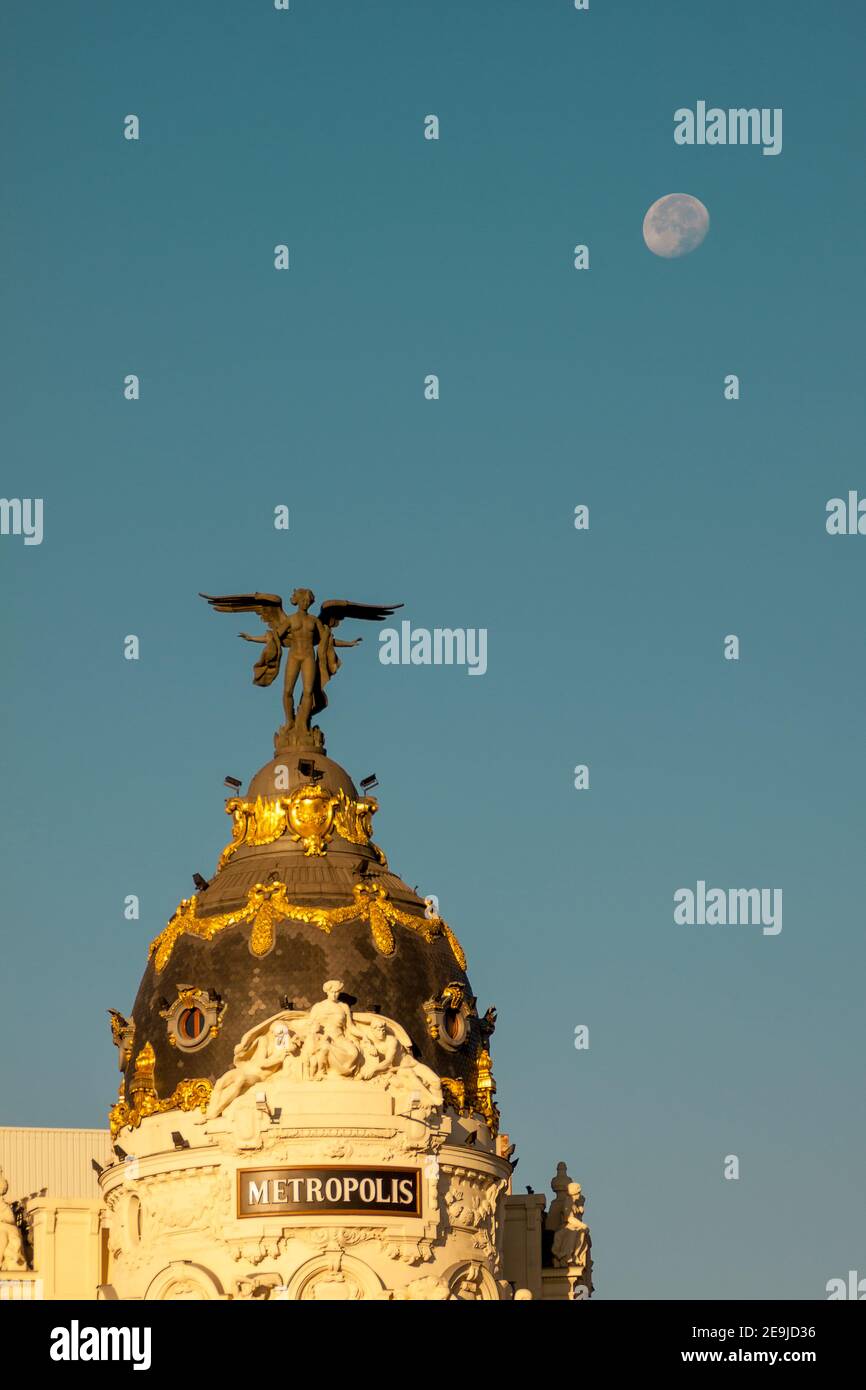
{"x": 558, "y": 387}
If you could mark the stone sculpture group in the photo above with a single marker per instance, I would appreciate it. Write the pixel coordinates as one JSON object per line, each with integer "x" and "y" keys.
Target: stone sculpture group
{"x": 328, "y": 1041}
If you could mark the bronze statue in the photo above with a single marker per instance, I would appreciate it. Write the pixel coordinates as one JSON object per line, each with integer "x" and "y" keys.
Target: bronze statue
{"x": 311, "y": 647}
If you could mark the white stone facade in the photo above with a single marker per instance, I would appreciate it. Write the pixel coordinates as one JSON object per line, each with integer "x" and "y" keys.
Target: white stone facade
{"x": 175, "y": 1228}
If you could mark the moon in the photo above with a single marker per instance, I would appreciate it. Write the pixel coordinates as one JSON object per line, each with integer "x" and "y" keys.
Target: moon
{"x": 675, "y": 225}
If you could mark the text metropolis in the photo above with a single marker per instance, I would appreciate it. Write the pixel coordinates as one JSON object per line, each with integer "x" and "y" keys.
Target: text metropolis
{"x": 302, "y": 1190}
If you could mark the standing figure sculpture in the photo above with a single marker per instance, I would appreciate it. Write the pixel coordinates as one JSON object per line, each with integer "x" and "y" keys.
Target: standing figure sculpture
{"x": 572, "y": 1242}
{"x": 310, "y": 644}
{"x": 11, "y": 1245}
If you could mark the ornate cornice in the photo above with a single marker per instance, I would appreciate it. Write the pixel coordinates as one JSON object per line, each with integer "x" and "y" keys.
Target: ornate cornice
{"x": 267, "y": 904}
{"x": 311, "y": 816}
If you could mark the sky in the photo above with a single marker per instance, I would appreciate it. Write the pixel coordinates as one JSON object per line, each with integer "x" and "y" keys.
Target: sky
{"x": 605, "y": 647}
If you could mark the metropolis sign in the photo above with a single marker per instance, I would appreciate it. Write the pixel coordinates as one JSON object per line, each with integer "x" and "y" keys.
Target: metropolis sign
{"x": 309, "y": 1191}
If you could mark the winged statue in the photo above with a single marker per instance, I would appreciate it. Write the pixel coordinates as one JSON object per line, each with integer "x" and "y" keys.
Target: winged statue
{"x": 309, "y": 641}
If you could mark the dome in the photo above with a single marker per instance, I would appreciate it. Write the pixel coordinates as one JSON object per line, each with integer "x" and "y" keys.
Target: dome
{"x": 301, "y": 895}
{"x": 283, "y": 773}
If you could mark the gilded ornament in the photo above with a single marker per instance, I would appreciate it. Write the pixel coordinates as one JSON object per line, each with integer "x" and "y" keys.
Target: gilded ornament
{"x": 310, "y": 813}
{"x": 381, "y": 929}
{"x": 485, "y": 1090}
{"x": 476, "y": 1095}
{"x": 455, "y": 1093}
{"x": 142, "y": 1077}
{"x": 449, "y": 1016}
{"x": 453, "y": 995}
{"x": 123, "y": 1037}
{"x": 353, "y": 820}
{"x": 457, "y": 949}
{"x": 267, "y": 904}
{"x": 256, "y": 822}
{"x": 194, "y": 1018}
{"x": 191, "y": 1094}
{"x": 309, "y": 816}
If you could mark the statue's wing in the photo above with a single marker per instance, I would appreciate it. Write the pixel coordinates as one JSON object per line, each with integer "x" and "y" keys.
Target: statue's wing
{"x": 334, "y": 610}
{"x": 268, "y": 606}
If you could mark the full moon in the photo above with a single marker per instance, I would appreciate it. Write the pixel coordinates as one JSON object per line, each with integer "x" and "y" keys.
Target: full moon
{"x": 675, "y": 225}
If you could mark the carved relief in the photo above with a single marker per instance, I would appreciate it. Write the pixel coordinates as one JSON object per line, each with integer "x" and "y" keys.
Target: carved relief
{"x": 471, "y": 1282}
{"x": 178, "y": 1203}
{"x": 184, "y": 1289}
{"x": 472, "y": 1202}
{"x": 184, "y": 1281}
{"x": 426, "y": 1288}
{"x": 334, "y": 1277}
{"x": 329, "y": 1041}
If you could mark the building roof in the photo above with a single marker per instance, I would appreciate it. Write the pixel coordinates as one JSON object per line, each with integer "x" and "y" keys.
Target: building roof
{"x": 57, "y": 1162}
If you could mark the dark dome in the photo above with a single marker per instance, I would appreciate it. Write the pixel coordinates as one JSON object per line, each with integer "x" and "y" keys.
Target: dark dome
{"x": 269, "y": 956}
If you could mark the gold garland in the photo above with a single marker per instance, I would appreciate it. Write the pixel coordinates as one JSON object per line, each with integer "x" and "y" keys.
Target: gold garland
{"x": 310, "y": 816}
{"x": 267, "y": 904}
{"x": 191, "y": 1094}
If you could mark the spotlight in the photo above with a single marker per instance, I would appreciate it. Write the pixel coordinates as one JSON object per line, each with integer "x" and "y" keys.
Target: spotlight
{"x": 286, "y": 1003}
{"x": 368, "y": 783}
{"x": 307, "y": 768}
{"x": 513, "y": 1162}
{"x": 233, "y": 782}
{"x": 97, "y": 1167}
{"x": 121, "y": 1153}
{"x": 200, "y": 883}
{"x": 178, "y": 1140}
